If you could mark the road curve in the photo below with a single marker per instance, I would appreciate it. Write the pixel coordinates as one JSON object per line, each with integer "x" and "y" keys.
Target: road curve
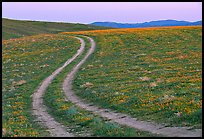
{"x": 120, "y": 118}
{"x": 39, "y": 110}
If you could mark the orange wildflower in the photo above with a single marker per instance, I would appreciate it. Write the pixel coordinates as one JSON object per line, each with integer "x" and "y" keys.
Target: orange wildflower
{"x": 162, "y": 106}
{"x": 179, "y": 74}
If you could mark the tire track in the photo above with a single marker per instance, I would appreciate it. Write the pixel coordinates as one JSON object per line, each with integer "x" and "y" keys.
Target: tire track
{"x": 39, "y": 110}
{"x": 120, "y": 118}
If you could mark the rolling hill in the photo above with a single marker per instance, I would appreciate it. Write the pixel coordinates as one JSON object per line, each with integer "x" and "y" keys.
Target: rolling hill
{"x": 152, "y": 74}
{"x": 20, "y": 28}
{"x": 147, "y": 24}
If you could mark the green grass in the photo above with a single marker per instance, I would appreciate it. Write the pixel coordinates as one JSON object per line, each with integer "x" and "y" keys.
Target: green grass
{"x": 20, "y": 28}
{"x": 152, "y": 74}
{"x": 81, "y": 121}
{"x": 26, "y": 62}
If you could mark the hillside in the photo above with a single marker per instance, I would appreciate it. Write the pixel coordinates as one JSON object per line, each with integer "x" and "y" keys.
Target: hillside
{"x": 20, "y": 28}
{"x": 147, "y": 24}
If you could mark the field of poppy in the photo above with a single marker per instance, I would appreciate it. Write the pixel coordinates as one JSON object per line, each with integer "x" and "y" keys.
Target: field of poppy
{"x": 153, "y": 74}
{"x": 25, "y": 63}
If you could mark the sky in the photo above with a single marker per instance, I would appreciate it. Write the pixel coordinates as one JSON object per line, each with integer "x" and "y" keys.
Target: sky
{"x": 88, "y": 12}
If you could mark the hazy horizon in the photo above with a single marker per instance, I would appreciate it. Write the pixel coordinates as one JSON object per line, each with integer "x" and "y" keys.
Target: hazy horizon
{"x": 92, "y": 22}
{"x": 89, "y": 12}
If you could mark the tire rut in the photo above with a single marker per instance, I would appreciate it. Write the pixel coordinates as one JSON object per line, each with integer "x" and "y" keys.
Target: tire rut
{"x": 120, "y": 118}
{"x": 39, "y": 109}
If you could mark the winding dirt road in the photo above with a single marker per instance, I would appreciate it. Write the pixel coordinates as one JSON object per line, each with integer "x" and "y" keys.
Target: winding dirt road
{"x": 120, "y": 118}
{"x": 39, "y": 110}
{"x": 58, "y": 130}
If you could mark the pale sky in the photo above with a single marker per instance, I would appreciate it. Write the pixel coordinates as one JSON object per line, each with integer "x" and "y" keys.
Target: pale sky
{"x": 88, "y": 12}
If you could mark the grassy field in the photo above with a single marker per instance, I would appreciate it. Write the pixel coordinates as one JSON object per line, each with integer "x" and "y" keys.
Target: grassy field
{"x": 20, "y": 28}
{"x": 25, "y": 63}
{"x": 153, "y": 74}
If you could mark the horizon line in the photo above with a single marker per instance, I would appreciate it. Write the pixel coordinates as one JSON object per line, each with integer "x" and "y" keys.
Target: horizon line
{"x": 95, "y": 21}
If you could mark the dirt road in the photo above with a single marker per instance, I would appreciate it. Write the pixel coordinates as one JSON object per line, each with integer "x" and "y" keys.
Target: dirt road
{"x": 39, "y": 110}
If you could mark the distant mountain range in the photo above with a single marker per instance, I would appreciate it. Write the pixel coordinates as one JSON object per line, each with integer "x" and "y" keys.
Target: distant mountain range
{"x": 147, "y": 24}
